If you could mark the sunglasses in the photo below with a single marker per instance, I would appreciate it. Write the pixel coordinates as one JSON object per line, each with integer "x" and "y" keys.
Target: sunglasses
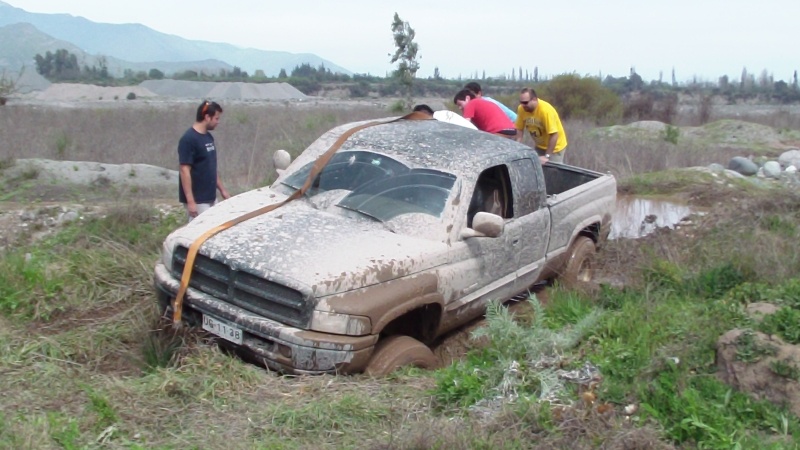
{"x": 525, "y": 102}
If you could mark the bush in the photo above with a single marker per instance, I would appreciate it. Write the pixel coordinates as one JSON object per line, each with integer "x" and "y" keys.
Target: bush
{"x": 671, "y": 134}
{"x": 582, "y": 98}
{"x": 131, "y": 96}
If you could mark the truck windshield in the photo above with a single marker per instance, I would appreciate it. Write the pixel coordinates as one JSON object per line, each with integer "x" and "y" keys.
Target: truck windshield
{"x": 380, "y": 187}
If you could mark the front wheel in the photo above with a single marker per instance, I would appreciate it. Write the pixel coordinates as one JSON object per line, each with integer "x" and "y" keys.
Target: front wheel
{"x": 580, "y": 266}
{"x": 395, "y": 352}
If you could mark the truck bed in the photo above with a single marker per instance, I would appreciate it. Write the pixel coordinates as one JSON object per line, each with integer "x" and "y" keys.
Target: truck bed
{"x": 576, "y": 197}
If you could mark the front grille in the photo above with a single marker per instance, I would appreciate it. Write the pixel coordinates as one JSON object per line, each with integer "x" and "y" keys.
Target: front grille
{"x": 245, "y": 290}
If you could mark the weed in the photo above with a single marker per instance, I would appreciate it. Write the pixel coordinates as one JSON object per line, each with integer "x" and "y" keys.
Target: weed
{"x": 749, "y": 350}
{"x": 517, "y": 362}
{"x": 161, "y": 347}
{"x": 706, "y": 412}
{"x": 398, "y": 107}
{"x": 241, "y": 117}
{"x": 780, "y": 225}
{"x": 62, "y": 142}
{"x": 567, "y": 307}
{"x": 64, "y": 431}
{"x": 328, "y": 417}
{"x": 671, "y": 134}
{"x": 464, "y": 383}
{"x": 132, "y": 173}
{"x": 27, "y": 285}
{"x": 101, "y": 406}
{"x": 785, "y": 323}
{"x": 785, "y": 368}
{"x": 30, "y": 173}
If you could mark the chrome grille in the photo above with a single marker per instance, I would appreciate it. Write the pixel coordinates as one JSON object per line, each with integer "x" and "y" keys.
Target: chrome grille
{"x": 245, "y": 290}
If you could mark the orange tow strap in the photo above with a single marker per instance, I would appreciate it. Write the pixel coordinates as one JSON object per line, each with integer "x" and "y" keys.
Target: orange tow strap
{"x": 319, "y": 164}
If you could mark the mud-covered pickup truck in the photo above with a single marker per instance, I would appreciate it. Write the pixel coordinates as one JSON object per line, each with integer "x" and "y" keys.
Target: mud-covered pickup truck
{"x": 401, "y": 231}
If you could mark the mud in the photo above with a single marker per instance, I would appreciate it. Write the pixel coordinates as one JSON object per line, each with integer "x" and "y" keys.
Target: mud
{"x": 636, "y": 217}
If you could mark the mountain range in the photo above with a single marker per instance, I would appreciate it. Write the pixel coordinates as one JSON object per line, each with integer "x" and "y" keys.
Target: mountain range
{"x": 24, "y": 35}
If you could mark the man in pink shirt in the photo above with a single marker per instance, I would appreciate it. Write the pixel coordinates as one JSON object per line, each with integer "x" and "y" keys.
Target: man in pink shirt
{"x": 485, "y": 115}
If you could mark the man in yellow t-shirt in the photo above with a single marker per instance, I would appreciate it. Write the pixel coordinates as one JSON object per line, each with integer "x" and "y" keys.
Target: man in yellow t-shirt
{"x": 542, "y": 122}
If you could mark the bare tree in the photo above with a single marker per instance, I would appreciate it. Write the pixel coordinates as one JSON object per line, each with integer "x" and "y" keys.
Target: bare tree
{"x": 9, "y": 85}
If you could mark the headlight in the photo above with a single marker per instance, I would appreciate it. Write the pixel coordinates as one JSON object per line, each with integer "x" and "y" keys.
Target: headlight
{"x": 166, "y": 255}
{"x": 327, "y": 322}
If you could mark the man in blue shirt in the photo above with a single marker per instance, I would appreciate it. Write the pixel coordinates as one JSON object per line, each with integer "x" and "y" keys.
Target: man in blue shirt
{"x": 197, "y": 156}
{"x": 476, "y": 88}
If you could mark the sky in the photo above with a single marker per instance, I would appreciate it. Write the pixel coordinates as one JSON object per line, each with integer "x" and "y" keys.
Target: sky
{"x": 698, "y": 39}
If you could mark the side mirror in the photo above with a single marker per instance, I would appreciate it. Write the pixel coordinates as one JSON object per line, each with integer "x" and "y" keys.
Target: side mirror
{"x": 281, "y": 160}
{"x": 484, "y": 225}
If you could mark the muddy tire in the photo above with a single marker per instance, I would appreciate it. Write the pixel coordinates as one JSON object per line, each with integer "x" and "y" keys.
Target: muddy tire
{"x": 580, "y": 266}
{"x": 395, "y": 352}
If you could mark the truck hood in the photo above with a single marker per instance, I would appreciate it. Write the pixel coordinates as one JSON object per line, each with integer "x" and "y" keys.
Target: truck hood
{"x": 314, "y": 251}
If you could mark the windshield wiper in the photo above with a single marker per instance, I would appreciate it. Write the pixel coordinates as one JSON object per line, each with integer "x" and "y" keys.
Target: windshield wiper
{"x": 385, "y": 225}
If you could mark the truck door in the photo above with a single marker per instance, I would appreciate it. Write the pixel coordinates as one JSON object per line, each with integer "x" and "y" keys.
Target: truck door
{"x": 484, "y": 268}
{"x": 529, "y": 229}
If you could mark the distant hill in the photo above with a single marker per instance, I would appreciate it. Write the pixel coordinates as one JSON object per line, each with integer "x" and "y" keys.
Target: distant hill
{"x": 153, "y": 49}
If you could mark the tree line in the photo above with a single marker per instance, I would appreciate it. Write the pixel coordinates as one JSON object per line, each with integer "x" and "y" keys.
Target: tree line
{"x": 64, "y": 66}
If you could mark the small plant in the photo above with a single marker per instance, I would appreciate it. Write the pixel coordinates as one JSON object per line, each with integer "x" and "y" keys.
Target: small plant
{"x": 785, "y": 368}
{"x": 8, "y": 85}
{"x": 63, "y": 142}
{"x": 6, "y": 163}
{"x": 30, "y": 173}
{"x": 161, "y": 348}
{"x": 105, "y": 412}
{"x": 780, "y": 225}
{"x": 785, "y": 323}
{"x": 64, "y": 431}
{"x": 749, "y": 350}
{"x": 671, "y": 134}
{"x": 131, "y": 96}
{"x": 398, "y": 107}
{"x": 241, "y": 117}
{"x": 132, "y": 173}
{"x": 519, "y": 360}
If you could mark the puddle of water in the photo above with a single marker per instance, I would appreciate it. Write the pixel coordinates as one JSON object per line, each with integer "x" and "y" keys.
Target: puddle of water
{"x": 637, "y": 217}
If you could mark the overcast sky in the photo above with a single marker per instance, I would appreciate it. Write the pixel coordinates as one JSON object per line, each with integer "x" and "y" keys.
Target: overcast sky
{"x": 699, "y": 38}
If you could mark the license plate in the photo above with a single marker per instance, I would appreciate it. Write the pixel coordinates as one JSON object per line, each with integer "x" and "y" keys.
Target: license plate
{"x": 222, "y": 329}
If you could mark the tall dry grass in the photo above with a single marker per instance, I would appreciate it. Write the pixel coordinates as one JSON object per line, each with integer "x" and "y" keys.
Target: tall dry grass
{"x": 624, "y": 156}
{"x": 250, "y": 132}
{"x": 149, "y": 133}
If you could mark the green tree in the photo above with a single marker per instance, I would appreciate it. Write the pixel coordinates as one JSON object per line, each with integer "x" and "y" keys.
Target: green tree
{"x": 405, "y": 55}
{"x": 155, "y": 74}
{"x": 283, "y": 74}
{"x": 59, "y": 66}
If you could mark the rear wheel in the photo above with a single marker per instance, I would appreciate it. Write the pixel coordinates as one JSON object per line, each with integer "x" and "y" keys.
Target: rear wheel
{"x": 580, "y": 266}
{"x": 395, "y": 352}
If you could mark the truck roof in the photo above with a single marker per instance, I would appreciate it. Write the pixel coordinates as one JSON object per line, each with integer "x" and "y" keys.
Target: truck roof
{"x": 435, "y": 144}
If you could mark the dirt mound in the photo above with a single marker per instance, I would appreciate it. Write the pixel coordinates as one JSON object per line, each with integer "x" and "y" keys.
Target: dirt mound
{"x": 223, "y": 90}
{"x": 91, "y": 173}
{"x": 87, "y": 92}
{"x": 166, "y": 89}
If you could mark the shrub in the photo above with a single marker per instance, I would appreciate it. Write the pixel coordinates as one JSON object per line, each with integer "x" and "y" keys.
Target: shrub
{"x": 582, "y": 98}
{"x": 671, "y": 134}
{"x": 131, "y": 96}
